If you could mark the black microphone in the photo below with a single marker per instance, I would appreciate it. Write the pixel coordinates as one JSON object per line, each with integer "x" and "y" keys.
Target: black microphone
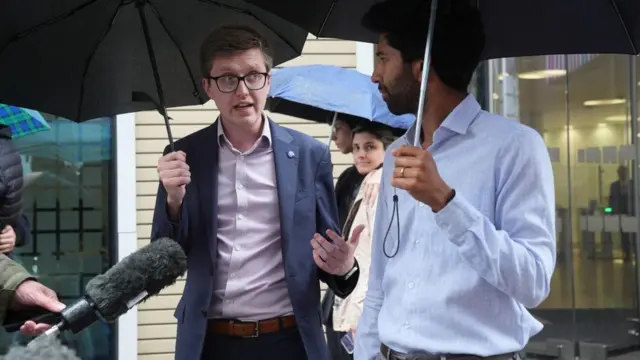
{"x": 138, "y": 276}
{"x": 42, "y": 348}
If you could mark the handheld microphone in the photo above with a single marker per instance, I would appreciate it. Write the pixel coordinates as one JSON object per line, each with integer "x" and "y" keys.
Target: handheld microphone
{"x": 43, "y": 348}
{"x": 138, "y": 276}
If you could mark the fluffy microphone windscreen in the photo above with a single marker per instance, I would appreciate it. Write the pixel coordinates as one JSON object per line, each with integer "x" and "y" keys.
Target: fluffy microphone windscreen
{"x": 149, "y": 269}
{"x": 48, "y": 348}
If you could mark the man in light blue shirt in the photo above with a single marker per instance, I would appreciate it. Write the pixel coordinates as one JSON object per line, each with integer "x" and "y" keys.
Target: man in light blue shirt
{"x": 464, "y": 238}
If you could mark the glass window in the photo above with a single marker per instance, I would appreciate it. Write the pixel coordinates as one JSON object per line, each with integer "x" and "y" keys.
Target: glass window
{"x": 67, "y": 174}
{"x": 580, "y": 104}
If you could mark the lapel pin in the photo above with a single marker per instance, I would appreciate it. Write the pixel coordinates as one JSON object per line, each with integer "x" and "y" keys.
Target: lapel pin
{"x": 291, "y": 154}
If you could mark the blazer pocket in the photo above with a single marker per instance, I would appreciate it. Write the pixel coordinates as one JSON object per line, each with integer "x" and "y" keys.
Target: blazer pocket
{"x": 301, "y": 195}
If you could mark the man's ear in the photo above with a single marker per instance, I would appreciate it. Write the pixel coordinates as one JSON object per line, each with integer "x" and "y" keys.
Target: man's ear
{"x": 416, "y": 70}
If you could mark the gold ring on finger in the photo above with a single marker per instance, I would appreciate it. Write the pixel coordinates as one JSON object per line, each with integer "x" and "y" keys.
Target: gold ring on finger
{"x": 402, "y": 171}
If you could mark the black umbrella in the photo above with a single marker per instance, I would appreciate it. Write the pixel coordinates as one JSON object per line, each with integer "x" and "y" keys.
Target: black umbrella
{"x": 513, "y": 28}
{"x": 83, "y": 59}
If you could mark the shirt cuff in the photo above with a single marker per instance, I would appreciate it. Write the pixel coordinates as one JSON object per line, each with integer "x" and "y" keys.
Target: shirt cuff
{"x": 457, "y": 218}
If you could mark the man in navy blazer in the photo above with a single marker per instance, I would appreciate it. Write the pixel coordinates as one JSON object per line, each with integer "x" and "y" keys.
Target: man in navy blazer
{"x": 248, "y": 199}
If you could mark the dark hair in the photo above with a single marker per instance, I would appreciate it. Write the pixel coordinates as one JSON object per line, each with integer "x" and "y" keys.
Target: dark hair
{"x": 350, "y": 120}
{"x": 227, "y": 40}
{"x": 458, "y": 40}
{"x": 381, "y": 132}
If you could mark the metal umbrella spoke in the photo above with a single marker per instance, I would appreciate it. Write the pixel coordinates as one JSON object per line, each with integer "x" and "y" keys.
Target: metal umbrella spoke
{"x": 140, "y": 4}
{"x": 196, "y": 92}
{"x": 90, "y": 57}
{"x": 46, "y": 23}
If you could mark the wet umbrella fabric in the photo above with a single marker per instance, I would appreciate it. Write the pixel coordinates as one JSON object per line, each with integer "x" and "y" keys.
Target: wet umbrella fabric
{"x": 512, "y": 28}
{"x": 85, "y": 59}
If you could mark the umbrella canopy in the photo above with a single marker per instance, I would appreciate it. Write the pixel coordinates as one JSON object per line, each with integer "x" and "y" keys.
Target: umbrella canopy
{"x": 317, "y": 92}
{"x": 21, "y": 121}
{"x": 84, "y": 59}
{"x": 512, "y": 28}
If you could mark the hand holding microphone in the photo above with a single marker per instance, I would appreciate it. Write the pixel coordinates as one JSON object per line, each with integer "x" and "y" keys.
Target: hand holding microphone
{"x": 29, "y": 294}
{"x": 138, "y": 276}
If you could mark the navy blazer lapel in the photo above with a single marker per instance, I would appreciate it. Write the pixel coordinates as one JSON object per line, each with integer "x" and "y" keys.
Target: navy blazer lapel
{"x": 286, "y": 157}
{"x": 207, "y": 183}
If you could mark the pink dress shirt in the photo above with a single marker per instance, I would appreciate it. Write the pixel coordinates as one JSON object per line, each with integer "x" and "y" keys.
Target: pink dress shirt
{"x": 250, "y": 281}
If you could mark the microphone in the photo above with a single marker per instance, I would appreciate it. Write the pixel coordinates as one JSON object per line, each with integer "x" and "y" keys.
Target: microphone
{"x": 42, "y": 348}
{"x": 138, "y": 276}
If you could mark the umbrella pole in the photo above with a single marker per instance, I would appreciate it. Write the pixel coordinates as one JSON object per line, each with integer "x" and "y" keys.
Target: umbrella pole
{"x": 425, "y": 73}
{"x": 333, "y": 124}
{"x": 140, "y": 4}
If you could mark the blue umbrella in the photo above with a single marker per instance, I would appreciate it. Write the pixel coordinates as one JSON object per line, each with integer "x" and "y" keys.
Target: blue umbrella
{"x": 318, "y": 92}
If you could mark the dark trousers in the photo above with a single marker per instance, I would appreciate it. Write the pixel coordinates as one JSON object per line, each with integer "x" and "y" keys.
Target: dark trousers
{"x": 282, "y": 345}
{"x": 336, "y": 349}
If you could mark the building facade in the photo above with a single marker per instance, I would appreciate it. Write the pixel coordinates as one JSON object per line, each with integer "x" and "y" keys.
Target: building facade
{"x": 582, "y": 105}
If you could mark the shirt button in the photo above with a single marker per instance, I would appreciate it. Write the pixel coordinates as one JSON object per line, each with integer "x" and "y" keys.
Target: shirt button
{"x": 406, "y": 324}
{"x": 239, "y": 186}
{"x": 232, "y": 275}
{"x": 421, "y": 204}
{"x": 417, "y": 242}
{"x": 204, "y": 312}
{"x": 410, "y": 285}
{"x": 239, "y": 216}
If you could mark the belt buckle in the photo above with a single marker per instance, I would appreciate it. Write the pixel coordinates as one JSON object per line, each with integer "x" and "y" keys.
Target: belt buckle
{"x": 256, "y": 333}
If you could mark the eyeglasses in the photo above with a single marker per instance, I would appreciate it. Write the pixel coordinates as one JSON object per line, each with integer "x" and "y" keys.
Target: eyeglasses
{"x": 229, "y": 83}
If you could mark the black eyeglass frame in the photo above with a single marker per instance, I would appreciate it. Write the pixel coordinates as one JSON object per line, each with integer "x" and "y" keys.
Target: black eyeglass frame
{"x": 240, "y": 78}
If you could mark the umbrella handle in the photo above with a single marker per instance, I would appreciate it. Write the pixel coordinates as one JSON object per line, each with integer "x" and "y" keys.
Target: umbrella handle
{"x": 425, "y": 72}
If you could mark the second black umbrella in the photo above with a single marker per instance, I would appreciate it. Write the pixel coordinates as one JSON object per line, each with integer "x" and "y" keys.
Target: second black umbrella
{"x": 513, "y": 28}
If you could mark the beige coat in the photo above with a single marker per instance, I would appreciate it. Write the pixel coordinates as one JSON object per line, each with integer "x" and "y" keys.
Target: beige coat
{"x": 347, "y": 312}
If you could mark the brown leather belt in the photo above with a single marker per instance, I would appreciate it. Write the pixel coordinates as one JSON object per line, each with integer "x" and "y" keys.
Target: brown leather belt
{"x": 250, "y": 329}
{"x": 389, "y": 354}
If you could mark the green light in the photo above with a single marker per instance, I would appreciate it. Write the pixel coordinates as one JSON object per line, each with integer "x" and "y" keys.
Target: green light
{"x": 608, "y": 209}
